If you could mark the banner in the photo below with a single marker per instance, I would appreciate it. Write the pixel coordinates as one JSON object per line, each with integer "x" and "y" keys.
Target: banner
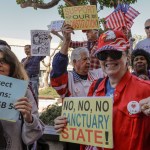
{"x": 89, "y": 121}
{"x": 11, "y": 90}
{"x": 82, "y": 17}
{"x": 56, "y": 25}
{"x": 40, "y": 43}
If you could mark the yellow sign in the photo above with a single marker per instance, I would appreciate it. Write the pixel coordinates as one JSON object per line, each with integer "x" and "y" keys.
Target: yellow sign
{"x": 89, "y": 121}
{"x": 81, "y": 17}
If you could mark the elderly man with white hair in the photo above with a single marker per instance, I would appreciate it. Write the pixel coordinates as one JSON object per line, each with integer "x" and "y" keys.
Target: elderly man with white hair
{"x": 73, "y": 83}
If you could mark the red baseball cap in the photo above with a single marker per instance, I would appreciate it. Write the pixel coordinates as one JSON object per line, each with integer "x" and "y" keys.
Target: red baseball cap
{"x": 112, "y": 40}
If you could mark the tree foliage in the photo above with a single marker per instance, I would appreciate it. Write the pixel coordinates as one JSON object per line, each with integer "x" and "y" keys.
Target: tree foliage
{"x": 50, "y": 113}
{"x": 43, "y": 5}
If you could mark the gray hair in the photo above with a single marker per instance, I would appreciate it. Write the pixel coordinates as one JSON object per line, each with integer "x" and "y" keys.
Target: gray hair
{"x": 75, "y": 55}
{"x": 148, "y": 20}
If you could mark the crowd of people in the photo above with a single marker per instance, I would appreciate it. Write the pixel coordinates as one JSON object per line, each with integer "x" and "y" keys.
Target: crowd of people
{"x": 106, "y": 56}
{"x": 130, "y": 128}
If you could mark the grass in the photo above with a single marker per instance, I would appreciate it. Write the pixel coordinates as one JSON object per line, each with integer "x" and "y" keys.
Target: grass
{"x": 48, "y": 92}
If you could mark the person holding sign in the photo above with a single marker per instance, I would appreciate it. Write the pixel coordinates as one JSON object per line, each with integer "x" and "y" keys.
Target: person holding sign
{"x": 28, "y": 127}
{"x": 32, "y": 66}
{"x": 128, "y": 91}
{"x": 90, "y": 44}
{"x": 78, "y": 81}
{"x": 73, "y": 83}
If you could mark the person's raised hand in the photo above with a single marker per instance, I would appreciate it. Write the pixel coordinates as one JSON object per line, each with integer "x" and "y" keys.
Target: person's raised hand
{"x": 66, "y": 31}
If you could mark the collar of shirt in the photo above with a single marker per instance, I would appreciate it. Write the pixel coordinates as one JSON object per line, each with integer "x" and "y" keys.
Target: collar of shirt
{"x": 77, "y": 77}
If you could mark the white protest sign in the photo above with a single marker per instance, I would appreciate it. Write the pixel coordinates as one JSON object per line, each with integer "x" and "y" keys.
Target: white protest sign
{"x": 11, "y": 90}
{"x": 40, "y": 43}
{"x": 56, "y": 25}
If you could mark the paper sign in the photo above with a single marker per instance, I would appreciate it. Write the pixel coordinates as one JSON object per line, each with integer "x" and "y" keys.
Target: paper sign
{"x": 81, "y": 17}
{"x": 56, "y": 25}
{"x": 40, "y": 43}
{"x": 11, "y": 90}
{"x": 89, "y": 121}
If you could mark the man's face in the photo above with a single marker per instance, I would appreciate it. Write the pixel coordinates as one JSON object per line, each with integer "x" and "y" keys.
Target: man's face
{"x": 140, "y": 64}
{"x": 82, "y": 65}
{"x": 115, "y": 68}
{"x": 92, "y": 35}
{"x": 147, "y": 28}
{"x": 27, "y": 50}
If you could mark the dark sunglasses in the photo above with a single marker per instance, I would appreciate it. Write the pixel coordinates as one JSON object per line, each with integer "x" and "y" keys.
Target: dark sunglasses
{"x": 147, "y": 27}
{"x": 3, "y": 61}
{"x": 115, "y": 55}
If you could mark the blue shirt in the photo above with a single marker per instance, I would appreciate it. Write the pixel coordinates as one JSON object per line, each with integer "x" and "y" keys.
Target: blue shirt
{"x": 109, "y": 89}
{"x": 33, "y": 65}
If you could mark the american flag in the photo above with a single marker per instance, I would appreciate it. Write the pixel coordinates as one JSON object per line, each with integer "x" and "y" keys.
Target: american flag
{"x": 122, "y": 16}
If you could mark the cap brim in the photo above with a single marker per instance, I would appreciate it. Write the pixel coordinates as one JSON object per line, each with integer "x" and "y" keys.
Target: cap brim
{"x": 107, "y": 47}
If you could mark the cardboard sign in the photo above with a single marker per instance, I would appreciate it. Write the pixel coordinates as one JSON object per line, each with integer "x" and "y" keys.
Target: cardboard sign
{"x": 89, "y": 121}
{"x": 40, "y": 43}
{"x": 81, "y": 17}
{"x": 11, "y": 90}
{"x": 56, "y": 25}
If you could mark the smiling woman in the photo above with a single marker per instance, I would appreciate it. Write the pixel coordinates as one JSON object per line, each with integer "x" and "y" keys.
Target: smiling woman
{"x": 127, "y": 96}
{"x": 28, "y": 129}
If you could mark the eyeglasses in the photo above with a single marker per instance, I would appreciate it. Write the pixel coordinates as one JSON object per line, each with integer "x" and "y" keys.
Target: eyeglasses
{"x": 115, "y": 55}
{"x": 3, "y": 61}
{"x": 147, "y": 27}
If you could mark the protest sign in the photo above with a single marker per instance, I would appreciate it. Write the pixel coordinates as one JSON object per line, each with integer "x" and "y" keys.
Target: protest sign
{"x": 89, "y": 121}
{"x": 40, "y": 43}
{"x": 56, "y": 25}
{"x": 11, "y": 90}
{"x": 81, "y": 17}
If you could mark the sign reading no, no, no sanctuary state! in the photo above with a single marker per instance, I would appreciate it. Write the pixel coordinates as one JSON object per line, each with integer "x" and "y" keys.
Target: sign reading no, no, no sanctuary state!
{"x": 89, "y": 121}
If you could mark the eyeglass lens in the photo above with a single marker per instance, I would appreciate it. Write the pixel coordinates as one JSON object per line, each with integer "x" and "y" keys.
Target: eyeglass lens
{"x": 147, "y": 27}
{"x": 113, "y": 54}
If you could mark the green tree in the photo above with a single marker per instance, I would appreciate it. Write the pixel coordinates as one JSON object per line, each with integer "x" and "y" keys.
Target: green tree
{"x": 43, "y": 5}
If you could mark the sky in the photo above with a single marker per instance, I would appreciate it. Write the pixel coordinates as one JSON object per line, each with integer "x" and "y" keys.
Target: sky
{"x": 17, "y": 22}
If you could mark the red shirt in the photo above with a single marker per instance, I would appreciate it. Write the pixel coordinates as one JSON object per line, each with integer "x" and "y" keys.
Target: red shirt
{"x": 130, "y": 132}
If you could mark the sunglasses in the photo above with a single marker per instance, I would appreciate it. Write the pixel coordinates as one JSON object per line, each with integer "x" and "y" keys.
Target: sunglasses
{"x": 115, "y": 55}
{"x": 147, "y": 27}
{"x": 3, "y": 61}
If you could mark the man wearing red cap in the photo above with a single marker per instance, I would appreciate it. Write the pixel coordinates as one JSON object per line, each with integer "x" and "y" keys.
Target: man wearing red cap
{"x": 131, "y": 105}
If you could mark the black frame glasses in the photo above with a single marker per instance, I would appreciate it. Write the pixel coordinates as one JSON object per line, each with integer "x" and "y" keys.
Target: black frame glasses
{"x": 3, "y": 61}
{"x": 115, "y": 55}
{"x": 147, "y": 27}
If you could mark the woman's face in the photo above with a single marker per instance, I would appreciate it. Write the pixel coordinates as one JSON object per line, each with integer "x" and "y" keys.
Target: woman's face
{"x": 4, "y": 67}
{"x": 115, "y": 68}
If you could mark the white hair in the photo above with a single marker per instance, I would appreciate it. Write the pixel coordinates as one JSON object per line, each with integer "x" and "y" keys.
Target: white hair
{"x": 76, "y": 53}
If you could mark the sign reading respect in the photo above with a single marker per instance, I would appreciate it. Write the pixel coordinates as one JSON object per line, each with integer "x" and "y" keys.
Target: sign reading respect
{"x": 81, "y": 17}
{"x": 89, "y": 121}
{"x": 11, "y": 90}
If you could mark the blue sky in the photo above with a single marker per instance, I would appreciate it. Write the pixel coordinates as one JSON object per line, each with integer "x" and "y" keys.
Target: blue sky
{"x": 17, "y": 22}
